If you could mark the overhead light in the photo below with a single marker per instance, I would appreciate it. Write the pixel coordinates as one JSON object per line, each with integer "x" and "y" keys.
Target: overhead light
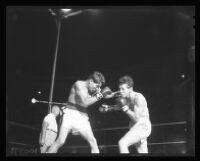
{"x": 183, "y": 76}
{"x": 64, "y": 11}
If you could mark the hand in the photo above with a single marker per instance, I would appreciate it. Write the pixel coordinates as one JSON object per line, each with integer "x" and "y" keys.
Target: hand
{"x": 107, "y": 108}
{"x": 125, "y": 108}
{"x": 104, "y": 108}
{"x": 98, "y": 90}
{"x": 99, "y": 96}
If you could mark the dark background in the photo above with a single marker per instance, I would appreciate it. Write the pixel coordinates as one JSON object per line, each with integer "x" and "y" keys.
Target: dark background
{"x": 151, "y": 44}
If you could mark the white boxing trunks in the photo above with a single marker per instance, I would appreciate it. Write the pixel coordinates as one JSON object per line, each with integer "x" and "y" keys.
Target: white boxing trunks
{"x": 75, "y": 120}
{"x": 142, "y": 128}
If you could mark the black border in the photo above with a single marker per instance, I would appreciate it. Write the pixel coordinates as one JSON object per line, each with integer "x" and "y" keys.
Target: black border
{"x": 102, "y": 4}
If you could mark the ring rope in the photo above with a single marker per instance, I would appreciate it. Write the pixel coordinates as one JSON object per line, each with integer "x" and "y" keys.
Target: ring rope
{"x": 103, "y": 146}
{"x": 22, "y": 125}
{"x": 114, "y": 128}
{"x": 12, "y": 142}
{"x": 159, "y": 124}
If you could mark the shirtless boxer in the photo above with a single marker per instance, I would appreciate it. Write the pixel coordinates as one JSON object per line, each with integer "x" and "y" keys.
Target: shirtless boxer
{"x": 137, "y": 110}
{"x": 135, "y": 106}
{"x": 75, "y": 118}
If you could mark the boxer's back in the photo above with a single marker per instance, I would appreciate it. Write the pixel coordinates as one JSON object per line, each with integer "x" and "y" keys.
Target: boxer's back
{"x": 139, "y": 107}
{"x": 74, "y": 94}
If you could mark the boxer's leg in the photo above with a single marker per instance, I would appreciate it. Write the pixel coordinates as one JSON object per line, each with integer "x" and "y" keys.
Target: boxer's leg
{"x": 142, "y": 147}
{"x": 88, "y": 135}
{"x": 145, "y": 131}
{"x": 130, "y": 138}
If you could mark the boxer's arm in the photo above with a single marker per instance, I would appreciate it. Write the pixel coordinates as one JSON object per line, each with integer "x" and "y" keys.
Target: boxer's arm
{"x": 107, "y": 108}
{"x": 130, "y": 114}
{"x": 83, "y": 96}
{"x": 139, "y": 103}
{"x": 116, "y": 107}
{"x": 111, "y": 95}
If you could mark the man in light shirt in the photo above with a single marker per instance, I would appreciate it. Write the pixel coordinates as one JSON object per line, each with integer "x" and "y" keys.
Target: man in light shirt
{"x": 49, "y": 129}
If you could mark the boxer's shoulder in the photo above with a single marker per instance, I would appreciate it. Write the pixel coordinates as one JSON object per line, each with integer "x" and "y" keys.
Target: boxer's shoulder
{"x": 79, "y": 83}
{"x": 137, "y": 98}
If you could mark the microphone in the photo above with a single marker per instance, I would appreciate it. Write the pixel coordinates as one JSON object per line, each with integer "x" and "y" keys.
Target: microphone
{"x": 33, "y": 100}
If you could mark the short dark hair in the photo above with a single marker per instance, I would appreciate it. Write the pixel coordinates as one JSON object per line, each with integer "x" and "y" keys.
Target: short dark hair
{"x": 97, "y": 77}
{"x": 126, "y": 80}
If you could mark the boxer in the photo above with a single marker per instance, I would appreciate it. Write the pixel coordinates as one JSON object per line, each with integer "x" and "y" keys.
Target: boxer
{"x": 134, "y": 105}
{"x": 75, "y": 118}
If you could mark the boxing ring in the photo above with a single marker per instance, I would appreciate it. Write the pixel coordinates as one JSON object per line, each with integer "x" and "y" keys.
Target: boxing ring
{"x": 107, "y": 148}
{"x": 175, "y": 146}
{"x": 158, "y": 144}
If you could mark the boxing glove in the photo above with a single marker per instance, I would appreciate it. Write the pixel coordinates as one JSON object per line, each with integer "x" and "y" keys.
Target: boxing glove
{"x": 122, "y": 103}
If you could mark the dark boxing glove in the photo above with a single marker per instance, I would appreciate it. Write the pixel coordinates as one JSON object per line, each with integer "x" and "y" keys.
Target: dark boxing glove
{"x": 122, "y": 103}
{"x": 104, "y": 92}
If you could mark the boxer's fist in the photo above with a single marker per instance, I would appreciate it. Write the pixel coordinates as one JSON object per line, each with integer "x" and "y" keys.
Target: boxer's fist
{"x": 104, "y": 108}
{"x": 106, "y": 91}
{"x": 122, "y": 103}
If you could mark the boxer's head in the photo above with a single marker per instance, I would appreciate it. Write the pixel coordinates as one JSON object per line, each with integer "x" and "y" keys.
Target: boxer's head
{"x": 55, "y": 110}
{"x": 125, "y": 85}
{"x": 95, "y": 81}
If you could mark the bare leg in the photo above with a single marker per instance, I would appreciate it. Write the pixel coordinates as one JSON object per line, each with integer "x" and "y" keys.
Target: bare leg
{"x": 142, "y": 147}
{"x": 130, "y": 138}
{"x": 88, "y": 135}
